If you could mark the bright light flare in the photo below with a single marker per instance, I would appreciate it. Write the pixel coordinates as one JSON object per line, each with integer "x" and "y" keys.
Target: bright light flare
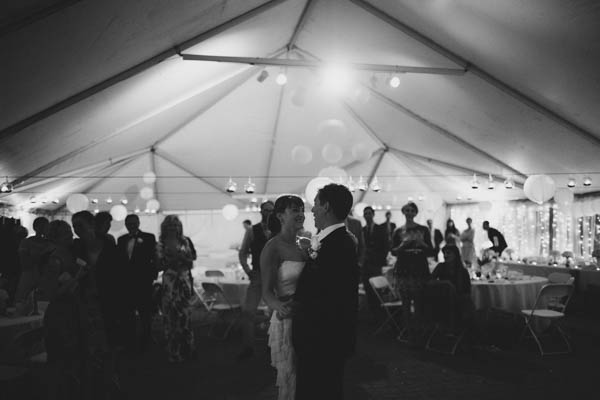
{"x": 337, "y": 79}
{"x": 394, "y": 81}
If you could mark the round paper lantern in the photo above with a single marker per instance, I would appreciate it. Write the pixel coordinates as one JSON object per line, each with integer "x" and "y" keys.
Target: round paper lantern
{"x": 149, "y": 177}
{"x": 301, "y": 154}
{"x": 539, "y": 188}
{"x": 152, "y": 205}
{"x": 147, "y": 193}
{"x": 334, "y": 173}
{"x": 359, "y": 208}
{"x": 361, "y": 152}
{"x": 118, "y": 212}
{"x": 332, "y": 129}
{"x": 484, "y": 206}
{"x": 313, "y": 187}
{"x": 564, "y": 197}
{"x": 77, "y": 202}
{"x": 332, "y": 153}
{"x": 230, "y": 212}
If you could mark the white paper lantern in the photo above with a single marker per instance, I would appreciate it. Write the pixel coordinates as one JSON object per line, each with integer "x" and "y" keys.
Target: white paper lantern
{"x": 313, "y": 187}
{"x": 77, "y": 202}
{"x": 359, "y": 208}
{"x": 153, "y": 205}
{"x": 301, "y": 155}
{"x": 564, "y": 197}
{"x": 334, "y": 173}
{"x": 149, "y": 177}
{"x": 230, "y": 212}
{"x": 118, "y": 212}
{"x": 333, "y": 130}
{"x": 361, "y": 152}
{"x": 332, "y": 153}
{"x": 147, "y": 193}
{"x": 539, "y": 188}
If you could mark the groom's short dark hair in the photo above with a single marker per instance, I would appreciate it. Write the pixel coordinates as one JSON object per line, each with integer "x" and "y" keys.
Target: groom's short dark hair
{"x": 339, "y": 198}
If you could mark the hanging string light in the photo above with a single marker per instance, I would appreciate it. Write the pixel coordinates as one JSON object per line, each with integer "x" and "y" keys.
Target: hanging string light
{"x": 250, "y": 187}
{"x": 231, "y": 186}
{"x": 474, "y": 182}
{"x": 571, "y": 183}
{"x": 361, "y": 185}
{"x": 375, "y": 186}
{"x": 587, "y": 181}
{"x": 508, "y": 184}
{"x": 490, "y": 182}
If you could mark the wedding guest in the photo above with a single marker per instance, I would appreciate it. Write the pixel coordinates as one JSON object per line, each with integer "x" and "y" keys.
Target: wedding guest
{"x": 390, "y": 227}
{"x": 376, "y": 249}
{"x": 467, "y": 238}
{"x": 103, "y": 220}
{"x": 103, "y": 287}
{"x": 436, "y": 238}
{"x": 12, "y": 235}
{"x": 453, "y": 271}
{"x": 175, "y": 256}
{"x": 355, "y": 228}
{"x": 247, "y": 224}
{"x": 451, "y": 235}
{"x": 252, "y": 244}
{"x": 64, "y": 339}
{"x": 139, "y": 249}
{"x": 496, "y": 238}
{"x": 410, "y": 211}
{"x": 33, "y": 254}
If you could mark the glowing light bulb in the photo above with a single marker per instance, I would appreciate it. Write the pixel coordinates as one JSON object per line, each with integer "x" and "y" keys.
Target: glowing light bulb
{"x": 281, "y": 79}
{"x": 394, "y": 81}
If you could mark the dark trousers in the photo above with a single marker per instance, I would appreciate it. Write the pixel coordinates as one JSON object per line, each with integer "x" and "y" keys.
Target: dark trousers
{"x": 319, "y": 376}
{"x": 142, "y": 302}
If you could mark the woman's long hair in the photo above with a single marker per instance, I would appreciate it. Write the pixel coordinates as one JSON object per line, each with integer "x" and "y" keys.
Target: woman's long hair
{"x": 281, "y": 204}
{"x": 174, "y": 221}
{"x": 450, "y": 228}
{"x": 457, "y": 258}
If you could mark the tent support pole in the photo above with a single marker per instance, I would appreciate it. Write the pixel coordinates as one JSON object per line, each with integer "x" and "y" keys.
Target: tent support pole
{"x": 142, "y": 66}
{"x": 444, "y": 132}
{"x": 153, "y": 167}
{"x": 186, "y": 170}
{"x": 301, "y": 22}
{"x": 373, "y": 173}
{"x": 479, "y": 72}
{"x": 274, "y": 137}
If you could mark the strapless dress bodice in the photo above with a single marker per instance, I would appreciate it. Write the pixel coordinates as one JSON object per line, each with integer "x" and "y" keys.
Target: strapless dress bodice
{"x": 288, "y": 275}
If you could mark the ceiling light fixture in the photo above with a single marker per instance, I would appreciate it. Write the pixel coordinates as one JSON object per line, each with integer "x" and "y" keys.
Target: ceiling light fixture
{"x": 281, "y": 78}
{"x": 587, "y": 181}
{"x": 6, "y": 187}
{"x": 491, "y": 182}
{"x": 375, "y": 186}
{"x": 508, "y": 184}
{"x": 94, "y": 201}
{"x": 475, "y": 182}
{"x": 109, "y": 200}
{"x": 264, "y": 74}
{"x": 231, "y": 186}
{"x": 250, "y": 187}
{"x": 394, "y": 81}
{"x": 351, "y": 185}
{"x": 361, "y": 185}
{"x": 124, "y": 201}
{"x": 55, "y": 201}
{"x": 571, "y": 183}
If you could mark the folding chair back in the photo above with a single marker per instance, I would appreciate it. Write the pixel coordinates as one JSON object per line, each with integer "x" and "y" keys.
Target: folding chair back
{"x": 388, "y": 300}
{"x": 550, "y": 304}
{"x": 443, "y": 310}
{"x": 560, "y": 277}
{"x": 215, "y": 299}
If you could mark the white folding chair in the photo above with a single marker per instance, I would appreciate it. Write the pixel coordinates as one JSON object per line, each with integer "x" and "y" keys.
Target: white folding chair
{"x": 388, "y": 300}
{"x": 214, "y": 299}
{"x": 550, "y": 305}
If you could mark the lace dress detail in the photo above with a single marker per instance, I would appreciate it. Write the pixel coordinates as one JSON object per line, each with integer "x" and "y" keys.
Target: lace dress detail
{"x": 280, "y": 333}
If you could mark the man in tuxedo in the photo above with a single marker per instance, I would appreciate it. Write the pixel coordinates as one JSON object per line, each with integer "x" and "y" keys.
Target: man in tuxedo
{"x": 139, "y": 249}
{"x": 376, "y": 249}
{"x": 326, "y": 301}
{"x": 436, "y": 238}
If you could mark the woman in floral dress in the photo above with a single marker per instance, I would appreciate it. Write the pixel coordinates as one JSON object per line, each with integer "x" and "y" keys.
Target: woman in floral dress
{"x": 175, "y": 255}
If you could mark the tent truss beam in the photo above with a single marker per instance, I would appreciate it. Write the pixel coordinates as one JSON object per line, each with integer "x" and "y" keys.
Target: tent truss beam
{"x": 280, "y": 62}
{"x": 188, "y": 171}
{"x": 273, "y": 141}
{"x": 308, "y": 7}
{"x": 480, "y": 72}
{"x": 444, "y": 132}
{"x": 372, "y": 175}
{"x": 140, "y": 67}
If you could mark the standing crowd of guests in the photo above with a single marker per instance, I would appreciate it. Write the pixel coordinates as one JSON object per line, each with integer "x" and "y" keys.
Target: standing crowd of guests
{"x": 100, "y": 296}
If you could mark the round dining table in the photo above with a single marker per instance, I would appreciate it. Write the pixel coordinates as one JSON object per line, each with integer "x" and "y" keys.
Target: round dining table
{"x": 509, "y": 295}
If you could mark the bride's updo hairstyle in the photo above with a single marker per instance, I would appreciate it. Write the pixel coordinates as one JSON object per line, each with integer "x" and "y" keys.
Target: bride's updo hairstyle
{"x": 281, "y": 204}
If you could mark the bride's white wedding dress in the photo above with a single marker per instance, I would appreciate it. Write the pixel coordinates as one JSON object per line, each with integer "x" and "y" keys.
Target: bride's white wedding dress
{"x": 280, "y": 332}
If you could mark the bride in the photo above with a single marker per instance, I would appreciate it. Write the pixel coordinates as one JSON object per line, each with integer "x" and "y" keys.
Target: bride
{"x": 281, "y": 263}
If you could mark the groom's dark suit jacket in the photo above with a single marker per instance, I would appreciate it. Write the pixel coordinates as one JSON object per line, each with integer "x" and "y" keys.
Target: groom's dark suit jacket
{"x": 325, "y": 318}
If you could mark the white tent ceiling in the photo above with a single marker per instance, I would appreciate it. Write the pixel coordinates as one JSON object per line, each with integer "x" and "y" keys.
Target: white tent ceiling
{"x": 96, "y": 94}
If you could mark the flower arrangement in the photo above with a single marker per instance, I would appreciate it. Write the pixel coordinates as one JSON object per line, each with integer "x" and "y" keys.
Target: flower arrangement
{"x": 310, "y": 245}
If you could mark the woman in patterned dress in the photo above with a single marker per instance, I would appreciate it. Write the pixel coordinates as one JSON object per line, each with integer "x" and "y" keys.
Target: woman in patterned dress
{"x": 175, "y": 256}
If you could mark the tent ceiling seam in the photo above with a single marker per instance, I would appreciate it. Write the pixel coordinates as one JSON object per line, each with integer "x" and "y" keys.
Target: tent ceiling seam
{"x": 373, "y": 173}
{"x": 274, "y": 137}
{"x": 301, "y": 22}
{"x": 479, "y": 72}
{"x": 142, "y": 66}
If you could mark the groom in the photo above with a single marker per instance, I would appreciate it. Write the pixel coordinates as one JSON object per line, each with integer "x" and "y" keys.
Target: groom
{"x": 326, "y": 301}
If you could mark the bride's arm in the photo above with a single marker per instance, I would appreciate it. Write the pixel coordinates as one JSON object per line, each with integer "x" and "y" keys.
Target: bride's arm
{"x": 269, "y": 263}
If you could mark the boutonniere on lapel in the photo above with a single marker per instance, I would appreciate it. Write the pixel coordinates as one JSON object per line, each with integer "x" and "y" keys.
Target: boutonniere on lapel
{"x": 140, "y": 240}
{"x": 310, "y": 245}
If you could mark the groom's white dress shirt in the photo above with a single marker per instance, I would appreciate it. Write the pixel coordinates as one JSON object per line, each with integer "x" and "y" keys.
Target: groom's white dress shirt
{"x": 325, "y": 232}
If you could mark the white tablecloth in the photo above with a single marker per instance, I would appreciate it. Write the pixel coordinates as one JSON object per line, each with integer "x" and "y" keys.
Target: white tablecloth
{"x": 507, "y": 295}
